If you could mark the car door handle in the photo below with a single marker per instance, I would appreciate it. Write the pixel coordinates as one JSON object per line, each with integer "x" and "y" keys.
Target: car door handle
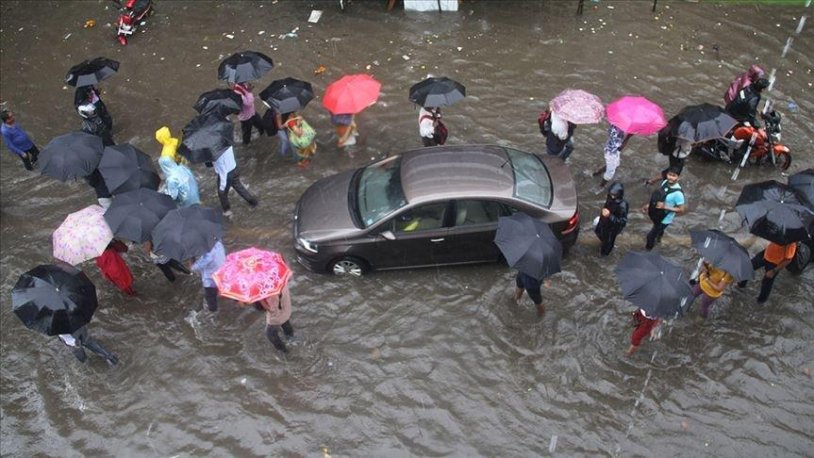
{"x": 437, "y": 240}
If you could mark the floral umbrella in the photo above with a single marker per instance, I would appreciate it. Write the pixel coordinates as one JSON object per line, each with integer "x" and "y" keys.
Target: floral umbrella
{"x": 636, "y": 115}
{"x": 578, "y": 106}
{"x": 82, "y": 236}
{"x": 251, "y": 275}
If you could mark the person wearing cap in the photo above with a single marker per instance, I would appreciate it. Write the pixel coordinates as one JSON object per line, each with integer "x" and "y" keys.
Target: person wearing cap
{"x": 18, "y": 141}
{"x": 744, "y": 106}
{"x": 673, "y": 203}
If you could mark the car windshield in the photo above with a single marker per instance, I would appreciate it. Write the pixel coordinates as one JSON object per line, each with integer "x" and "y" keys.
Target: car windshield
{"x": 379, "y": 192}
{"x": 532, "y": 182}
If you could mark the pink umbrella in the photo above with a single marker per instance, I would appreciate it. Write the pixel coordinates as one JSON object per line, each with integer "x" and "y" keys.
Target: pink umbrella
{"x": 636, "y": 115}
{"x": 82, "y": 236}
{"x": 252, "y": 274}
{"x": 351, "y": 94}
{"x": 578, "y": 106}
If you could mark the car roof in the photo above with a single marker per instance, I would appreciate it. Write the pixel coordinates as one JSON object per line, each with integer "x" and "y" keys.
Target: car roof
{"x": 460, "y": 171}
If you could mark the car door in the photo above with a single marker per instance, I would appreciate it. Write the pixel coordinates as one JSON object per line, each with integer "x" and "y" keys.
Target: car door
{"x": 417, "y": 233}
{"x": 472, "y": 234}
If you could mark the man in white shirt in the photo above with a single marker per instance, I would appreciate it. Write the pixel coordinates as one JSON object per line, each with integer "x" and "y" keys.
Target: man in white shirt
{"x": 229, "y": 177}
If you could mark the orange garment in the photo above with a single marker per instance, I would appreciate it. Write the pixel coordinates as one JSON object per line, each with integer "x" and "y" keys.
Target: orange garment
{"x": 778, "y": 253}
{"x": 713, "y": 276}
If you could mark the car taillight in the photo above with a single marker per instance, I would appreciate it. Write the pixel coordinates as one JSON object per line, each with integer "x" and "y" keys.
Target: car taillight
{"x": 573, "y": 223}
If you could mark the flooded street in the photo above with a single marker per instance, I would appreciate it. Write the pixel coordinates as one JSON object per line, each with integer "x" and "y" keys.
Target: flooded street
{"x": 425, "y": 362}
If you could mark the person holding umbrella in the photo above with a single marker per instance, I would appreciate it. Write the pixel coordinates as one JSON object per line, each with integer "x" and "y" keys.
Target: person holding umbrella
{"x": 744, "y": 106}
{"x": 225, "y": 167}
{"x": 617, "y": 140}
{"x": 207, "y": 265}
{"x": 90, "y": 95}
{"x": 18, "y": 141}
{"x": 278, "y": 317}
{"x": 346, "y": 131}
{"x": 711, "y": 284}
{"x": 723, "y": 261}
{"x": 248, "y": 116}
{"x": 773, "y": 259}
{"x": 559, "y": 135}
{"x": 85, "y": 76}
{"x": 179, "y": 179}
{"x": 93, "y": 124}
{"x": 431, "y": 94}
{"x": 432, "y": 130}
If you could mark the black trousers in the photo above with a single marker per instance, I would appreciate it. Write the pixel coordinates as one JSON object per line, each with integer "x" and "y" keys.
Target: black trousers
{"x": 428, "y": 141}
{"x": 233, "y": 181}
{"x": 654, "y": 236}
{"x": 211, "y": 298}
{"x": 608, "y": 244}
{"x": 273, "y": 334}
{"x": 766, "y": 283}
{"x": 30, "y": 157}
{"x": 246, "y": 127}
{"x": 167, "y": 267}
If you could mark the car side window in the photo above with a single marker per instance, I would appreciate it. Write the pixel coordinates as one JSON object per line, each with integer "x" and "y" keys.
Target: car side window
{"x": 472, "y": 212}
{"x": 423, "y": 218}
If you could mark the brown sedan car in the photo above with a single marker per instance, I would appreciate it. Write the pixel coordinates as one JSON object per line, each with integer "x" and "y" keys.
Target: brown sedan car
{"x": 429, "y": 207}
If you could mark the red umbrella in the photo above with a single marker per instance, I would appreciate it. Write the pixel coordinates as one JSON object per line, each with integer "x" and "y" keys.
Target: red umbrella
{"x": 251, "y": 275}
{"x": 351, "y": 94}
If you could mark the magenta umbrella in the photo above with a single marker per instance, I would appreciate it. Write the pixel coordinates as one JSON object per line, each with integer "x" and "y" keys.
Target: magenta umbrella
{"x": 578, "y": 106}
{"x": 636, "y": 115}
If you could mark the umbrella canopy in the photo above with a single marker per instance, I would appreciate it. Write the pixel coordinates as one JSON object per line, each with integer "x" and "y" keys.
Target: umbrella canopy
{"x": 578, "y": 106}
{"x": 251, "y": 275}
{"x": 126, "y": 168}
{"x": 636, "y": 115}
{"x": 72, "y": 155}
{"x": 54, "y": 299}
{"x": 437, "y": 92}
{"x": 653, "y": 284}
{"x": 351, "y": 94}
{"x": 775, "y": 212}
{"x": 803, "y": 183}
{"x": 91, "y": 71}
{"x": 723, "y": 252}
{"x": 187, "y": 232}
{"x": 699, "y": 123}
{"x": 529, "y": 245}
{"x": 222, "y": 102}
{"x": 287, "y": 95}
{"x": 82, "y": 236}
{"x": 134, "y": 214}
{"x": 244, "y": 66}
{"x": 206, "y": 137}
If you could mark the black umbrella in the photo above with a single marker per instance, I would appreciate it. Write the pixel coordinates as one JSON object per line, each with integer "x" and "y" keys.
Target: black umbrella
{"x": 288, "y": 95}
{"x": 72, "y": 155}
{"x": 803, "y": 183}
{"x": 653, "y": 284}
{"x": 134, "y": 214}
{"x": 92, "y": 71}
{"x": 125, "y": 168}
{"x": 775, "y": 212}
{"x": 723, "y": 252}
{"x": 529, "y": 245}
{"x": 54, "y": 299}
{"x": 219, "y": 101}
{"x": 437, "y": 92}
{"x": 244, "y": 66}
{"x": 699, "y": 123}
{"x": 188, "y": 232}
{"x": 206, "y": 137}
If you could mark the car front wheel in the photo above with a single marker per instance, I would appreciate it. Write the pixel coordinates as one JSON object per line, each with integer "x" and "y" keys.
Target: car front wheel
{"x": 349, "y": 267}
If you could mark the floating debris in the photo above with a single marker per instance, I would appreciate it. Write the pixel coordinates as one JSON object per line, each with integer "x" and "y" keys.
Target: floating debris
{"x": 229, "y": 36}
{"x": 67, "y": 36}
{"x": 320, "y": 70}
{"x": 315, "y": 15}
{"x": 89, "y": 23}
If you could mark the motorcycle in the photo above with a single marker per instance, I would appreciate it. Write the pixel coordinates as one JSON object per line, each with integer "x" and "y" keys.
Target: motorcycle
{"x": 131, "y": 14}
{"x": 762, "y": 145}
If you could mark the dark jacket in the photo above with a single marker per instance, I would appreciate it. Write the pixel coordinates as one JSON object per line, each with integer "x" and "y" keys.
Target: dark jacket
{"x": 553, "y": 143}
{"x": 96, "y": 182}
{"x": 613, "y": 224}
{"x": 744, "y": 107}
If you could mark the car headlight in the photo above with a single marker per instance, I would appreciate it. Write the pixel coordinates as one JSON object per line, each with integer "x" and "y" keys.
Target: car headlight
{"x": 307, "y": 245}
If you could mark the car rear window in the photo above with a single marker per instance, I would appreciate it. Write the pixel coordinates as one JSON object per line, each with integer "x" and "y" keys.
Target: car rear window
{"x": 532, "y": 182}
{"x": 379, "y": 192}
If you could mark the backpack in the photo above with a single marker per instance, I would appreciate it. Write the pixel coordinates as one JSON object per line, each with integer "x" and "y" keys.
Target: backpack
{"x": 441, "y": 133}
{"x": 659, "y": 195}
{"x": 541, "y": 121}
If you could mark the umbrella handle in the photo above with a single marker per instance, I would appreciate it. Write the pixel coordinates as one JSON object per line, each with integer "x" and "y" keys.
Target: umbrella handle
{"x": 745, "y": 156}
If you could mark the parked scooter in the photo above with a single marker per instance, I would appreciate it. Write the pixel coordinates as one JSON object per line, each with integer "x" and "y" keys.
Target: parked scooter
{"x": 763, "y": 145}
{"x": 131, "y": 14}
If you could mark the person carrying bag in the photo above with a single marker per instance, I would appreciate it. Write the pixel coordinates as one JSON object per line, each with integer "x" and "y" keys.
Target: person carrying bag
{"x": 301, "y": 135}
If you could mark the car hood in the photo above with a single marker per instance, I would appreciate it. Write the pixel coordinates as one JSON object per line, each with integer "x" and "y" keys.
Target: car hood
{"x": 322, "y": 212}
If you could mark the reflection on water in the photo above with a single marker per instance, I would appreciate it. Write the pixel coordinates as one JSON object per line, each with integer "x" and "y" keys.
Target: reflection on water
{"x": 423, "y": 362}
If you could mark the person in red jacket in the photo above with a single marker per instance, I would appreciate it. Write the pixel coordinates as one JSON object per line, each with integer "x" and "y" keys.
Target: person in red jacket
{"x": 115, "y": 269}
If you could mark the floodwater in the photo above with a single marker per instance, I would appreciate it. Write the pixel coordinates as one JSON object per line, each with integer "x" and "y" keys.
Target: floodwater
{"x": 430, "y": 362}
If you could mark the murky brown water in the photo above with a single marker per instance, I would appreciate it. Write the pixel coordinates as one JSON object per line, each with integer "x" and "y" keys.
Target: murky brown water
{"x": 425, "y": 362}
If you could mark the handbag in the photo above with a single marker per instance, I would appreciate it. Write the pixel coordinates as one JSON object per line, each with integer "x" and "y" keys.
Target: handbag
{"x": 307, "y": 137}
{"x": 441, "y": 133}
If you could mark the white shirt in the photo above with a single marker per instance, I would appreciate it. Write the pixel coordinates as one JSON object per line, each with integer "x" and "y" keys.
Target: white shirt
{"x": 426, "y": 126}
{"x": 223, "y": 165}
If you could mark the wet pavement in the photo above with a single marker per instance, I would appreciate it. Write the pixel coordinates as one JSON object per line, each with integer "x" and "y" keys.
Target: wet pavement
{"x": 425, "y": 362}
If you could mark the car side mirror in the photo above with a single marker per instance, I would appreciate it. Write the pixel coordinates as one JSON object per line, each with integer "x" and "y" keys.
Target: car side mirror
{"x": 388, "y": 235}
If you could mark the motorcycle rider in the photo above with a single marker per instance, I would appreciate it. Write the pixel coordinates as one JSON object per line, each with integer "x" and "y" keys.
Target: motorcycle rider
{"x": 93, "y": 124}
{"x": 744, "y": 106}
